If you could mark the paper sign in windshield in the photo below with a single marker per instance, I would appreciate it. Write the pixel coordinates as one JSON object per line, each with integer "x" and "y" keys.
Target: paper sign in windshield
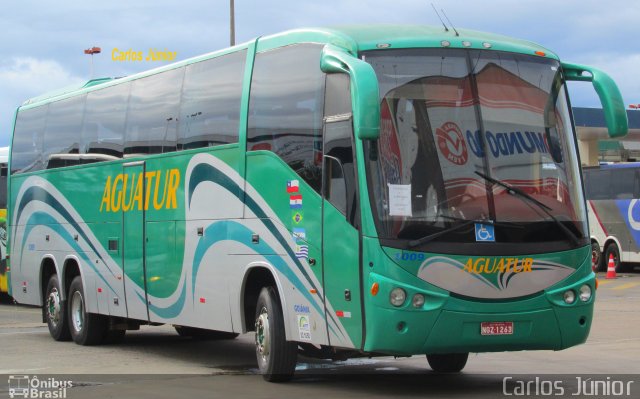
{"x": 399, "y": 199}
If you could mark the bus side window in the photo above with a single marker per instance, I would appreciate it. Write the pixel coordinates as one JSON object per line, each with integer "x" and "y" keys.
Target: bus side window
{"x": 103, "y": 128}
{"x": 286, "y": 108}
{"x": 339, "y": 169}
{"x": 152, "y": 115}
{"x": 27, "y": 140}
{"x": 210, "y": 106}
{"x": 63, "y": 132}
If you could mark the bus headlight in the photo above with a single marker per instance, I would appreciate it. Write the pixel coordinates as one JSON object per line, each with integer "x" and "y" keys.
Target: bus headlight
{"x": 417, "y": 301}
{"x": 397, "y": 296}
{"x": 585, "y": 293}
{"x": 569, "y": 297}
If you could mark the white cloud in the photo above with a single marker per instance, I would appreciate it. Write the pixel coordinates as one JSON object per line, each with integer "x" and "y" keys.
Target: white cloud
{"x": 25, "y": 77}
{"x": 34, "y": 76}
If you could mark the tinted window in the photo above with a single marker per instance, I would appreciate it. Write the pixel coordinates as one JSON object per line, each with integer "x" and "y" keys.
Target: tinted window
{"x": 63, "y": 131}
{"x": 152, "y": 117}
{"x": 27, "y": 141}
{"x": 210, "y": 108}
{"x": 103, "y": 130}
{"x": 612, "y": 184}
{"x": 338, "y": 99}
{"x": 340, "y": 182}
{"x": 286, "y": 108}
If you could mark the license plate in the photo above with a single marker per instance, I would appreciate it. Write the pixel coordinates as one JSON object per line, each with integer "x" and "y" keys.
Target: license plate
{"x": 496, "y": 328}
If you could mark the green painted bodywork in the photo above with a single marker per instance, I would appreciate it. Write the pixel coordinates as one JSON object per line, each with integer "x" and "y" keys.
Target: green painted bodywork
{"x": 346, "y": 259}
{"x": 612, "y": 104}
{"x": 450, "y": 323}
{"x": 364, "y": 89}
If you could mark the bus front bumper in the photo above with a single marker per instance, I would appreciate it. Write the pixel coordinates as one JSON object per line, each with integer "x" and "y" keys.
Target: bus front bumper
{"x": 447, "y": 324}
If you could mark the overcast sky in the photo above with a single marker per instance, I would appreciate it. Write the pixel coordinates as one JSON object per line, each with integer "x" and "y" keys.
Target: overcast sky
{"x": 42, "y": 42}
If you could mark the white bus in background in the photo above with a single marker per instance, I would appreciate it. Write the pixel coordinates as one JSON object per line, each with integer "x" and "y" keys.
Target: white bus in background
{"x": 613, "y": 205}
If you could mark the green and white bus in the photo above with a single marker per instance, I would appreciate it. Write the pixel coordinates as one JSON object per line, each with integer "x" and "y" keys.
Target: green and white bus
{"x": 356, "y": 191}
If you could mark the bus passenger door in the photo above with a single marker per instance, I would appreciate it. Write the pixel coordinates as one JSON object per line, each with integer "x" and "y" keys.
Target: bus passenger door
{"x": 133, "y": 235}
{"x": 340, "y": 218}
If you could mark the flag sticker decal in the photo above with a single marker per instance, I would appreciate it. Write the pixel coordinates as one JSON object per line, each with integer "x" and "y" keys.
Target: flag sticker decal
{"x": 299, "y": 233}
{"x": 295, "y": 201}
{"x": 302, "y": 251}
{"x": 297, "y": 217}
{"x": 293, "y": 186}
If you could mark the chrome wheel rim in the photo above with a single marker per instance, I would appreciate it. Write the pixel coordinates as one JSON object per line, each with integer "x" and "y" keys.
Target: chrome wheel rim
{"x": 263, "y": 338}
{"x": 53, "y": 307}
{"x": 77, "y": 311}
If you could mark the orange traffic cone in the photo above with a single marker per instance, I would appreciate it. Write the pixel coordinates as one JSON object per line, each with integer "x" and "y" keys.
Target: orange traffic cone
{"x": 611, "y": 268}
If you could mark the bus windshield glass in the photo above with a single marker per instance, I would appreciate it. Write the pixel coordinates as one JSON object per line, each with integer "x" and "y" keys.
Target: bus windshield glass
{"x": 473, "y": 136}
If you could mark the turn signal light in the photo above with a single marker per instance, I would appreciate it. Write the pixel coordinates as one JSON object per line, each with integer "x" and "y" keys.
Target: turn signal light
{"x": 374, "y": 289}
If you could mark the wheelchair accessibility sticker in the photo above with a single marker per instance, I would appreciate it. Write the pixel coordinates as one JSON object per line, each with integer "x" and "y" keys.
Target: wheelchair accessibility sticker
{"x": 484, "y": 232}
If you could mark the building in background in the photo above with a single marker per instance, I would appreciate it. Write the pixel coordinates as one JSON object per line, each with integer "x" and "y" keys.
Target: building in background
{"x": 594, "y": 142}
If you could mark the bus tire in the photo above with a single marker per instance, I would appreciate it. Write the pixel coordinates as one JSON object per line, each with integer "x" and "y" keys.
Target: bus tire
{"x": 204, "y": 334}
{"x": 447, "y": 362}
{"x": 612, "y": 249}
{"x": 596, "y": 256}
{"x": 276, "y": 356}
{"x": 86, "y": 328}
{"x": 55, "y": 311}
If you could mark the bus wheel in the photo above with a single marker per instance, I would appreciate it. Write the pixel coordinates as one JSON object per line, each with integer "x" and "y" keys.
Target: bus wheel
{"x": 55, "y": 312}
{"x": 204, "y": 334}
{"x": 86, "y": 328}
{"x": 447, "y": 362}
{"x": 596, "y": 256}
{"x": 276, "y": 356}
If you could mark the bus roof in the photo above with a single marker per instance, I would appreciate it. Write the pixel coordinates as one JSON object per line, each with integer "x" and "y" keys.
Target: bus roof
{"x": 355, "y": 38}
{"x": 376, "y": 37}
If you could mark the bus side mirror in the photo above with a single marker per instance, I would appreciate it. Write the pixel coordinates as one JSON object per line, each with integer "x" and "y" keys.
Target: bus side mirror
{"x": 364, "y": 89}
{"x": 615, "y": 114}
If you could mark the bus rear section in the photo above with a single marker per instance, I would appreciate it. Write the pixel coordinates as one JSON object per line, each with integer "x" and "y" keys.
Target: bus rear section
{"x": 612, "y": 192}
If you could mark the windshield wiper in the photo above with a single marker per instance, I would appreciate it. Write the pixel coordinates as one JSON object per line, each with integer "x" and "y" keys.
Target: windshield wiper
{"x": 526, "y": 197}
{"x": 426, "y": 239}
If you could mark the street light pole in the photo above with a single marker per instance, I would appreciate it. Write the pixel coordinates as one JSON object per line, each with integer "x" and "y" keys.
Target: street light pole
{"x": 92, "y": 51}
{"x": 232, "y": 23}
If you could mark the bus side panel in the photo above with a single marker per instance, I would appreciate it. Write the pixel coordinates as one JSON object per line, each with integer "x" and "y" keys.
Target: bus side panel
{"x": 51, "y": 221}
{"x": 294, "y": 212}
{"x": 186, "y": 246}
{"x": 617, "y": 219}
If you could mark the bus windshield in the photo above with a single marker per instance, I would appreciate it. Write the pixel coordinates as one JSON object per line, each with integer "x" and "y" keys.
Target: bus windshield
{"x": 469, "y": 135}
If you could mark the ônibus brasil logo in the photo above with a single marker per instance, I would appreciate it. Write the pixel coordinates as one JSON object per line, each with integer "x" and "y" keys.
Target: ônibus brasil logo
{"x": 451, "y": 143}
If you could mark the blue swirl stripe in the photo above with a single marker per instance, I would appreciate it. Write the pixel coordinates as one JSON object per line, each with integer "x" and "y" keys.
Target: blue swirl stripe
{"x": 36, "y": 193}
{"x": 42, "y": 218}
{"x": 204, "y": 172}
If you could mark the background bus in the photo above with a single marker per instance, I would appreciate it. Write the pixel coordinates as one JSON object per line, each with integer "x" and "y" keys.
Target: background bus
{"x": 370, "y": 190}
{"x": 613, "y": 193}
{"x": 4, "y": 159}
